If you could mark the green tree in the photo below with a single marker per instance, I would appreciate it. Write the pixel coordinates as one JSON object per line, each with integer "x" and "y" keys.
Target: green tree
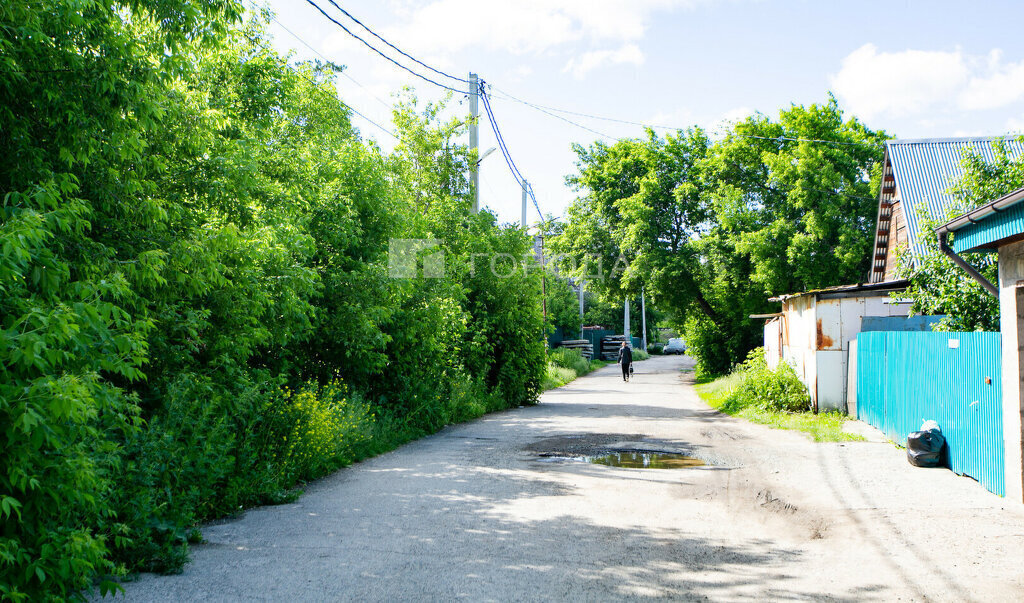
{"x": 563, "y": 305}
{"x": 711, "y": 230}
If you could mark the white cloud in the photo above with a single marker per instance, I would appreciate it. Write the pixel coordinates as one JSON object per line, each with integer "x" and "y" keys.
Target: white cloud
{"x": 524, "y": 26}
{"x": 926, "y": 82}
{"x": 1002, "y": 85}
{"x": 588, "y": 61}
{"x": 898, "y": 83}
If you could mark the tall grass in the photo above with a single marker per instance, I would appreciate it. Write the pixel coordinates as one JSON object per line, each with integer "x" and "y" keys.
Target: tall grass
{"x": 570, "y": 359}
{"x": 565, "y": 365}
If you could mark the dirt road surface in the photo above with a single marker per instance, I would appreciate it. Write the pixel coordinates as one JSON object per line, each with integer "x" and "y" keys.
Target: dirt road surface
{"x": 504, "y": 509}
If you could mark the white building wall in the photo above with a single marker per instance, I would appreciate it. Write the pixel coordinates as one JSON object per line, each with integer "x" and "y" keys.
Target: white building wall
{"x": 773, "y": 342}
{"x": 1011, "y": 321}
{"x": 828, "y": 354}
{"x": 831, "y": 380}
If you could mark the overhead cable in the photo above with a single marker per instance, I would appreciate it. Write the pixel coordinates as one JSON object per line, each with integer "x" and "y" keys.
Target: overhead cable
{"x": 395, "y": 48}
{"x": 547, "y": 109}
{"x": 498, "y": 137}
{"x": 791, "y": 139}
{"x": 481, "y": 91}
{"x": 559, "y": 117}
{"x": 540, "y": 107}
{"x": 376, "y": 50}
{"x": 343, "y": 72}
{"x": 520, "y": 179}
{"x": 316, "y": 84}
{"x": 529, "y": 188}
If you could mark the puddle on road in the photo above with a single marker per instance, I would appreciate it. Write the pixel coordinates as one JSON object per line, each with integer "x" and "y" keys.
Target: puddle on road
{"x": 646, "y": 460}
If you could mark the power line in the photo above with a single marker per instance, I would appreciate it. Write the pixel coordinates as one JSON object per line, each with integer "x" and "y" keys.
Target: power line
{"x": 540, "y": 107}
{"x": 353, "y": 109}
{"x": 344, "y": 73}
{"x": 544, "y": 110}
{"x": 550, "y": 111}
{"x": 529, "y": 188}
{"x": 547, "y": 110}
{"x": 346, "y": 105}
{"x": 316, "y": 85}
{"x": 395, "y": 48}
{"x": 501, "y": 141}
{"x": 523, "y": 183}
{"x": 376, "y": 50}
{"x": 497, "y": 133}
{"x": 791, "y": 139}
{"x": 482, "y": 92}
{"x": 498, "y": 137}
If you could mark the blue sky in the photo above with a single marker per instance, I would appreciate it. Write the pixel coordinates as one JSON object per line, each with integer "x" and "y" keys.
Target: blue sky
{"x": 913, "y": 68}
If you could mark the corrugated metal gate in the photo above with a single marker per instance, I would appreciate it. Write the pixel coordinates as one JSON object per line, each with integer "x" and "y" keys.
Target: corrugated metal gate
{"x": 951, "y": 378}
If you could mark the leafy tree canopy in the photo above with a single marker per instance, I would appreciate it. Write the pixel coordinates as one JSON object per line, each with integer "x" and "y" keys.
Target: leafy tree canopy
{"x": 711, "y": 229}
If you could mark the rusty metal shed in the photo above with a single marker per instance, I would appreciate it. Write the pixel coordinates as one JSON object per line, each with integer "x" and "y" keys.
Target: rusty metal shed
{"x": 814, "y": 330}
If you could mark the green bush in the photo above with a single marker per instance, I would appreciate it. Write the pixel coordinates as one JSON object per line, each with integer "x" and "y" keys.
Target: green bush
{"x": 177, "y": 469}
{"x": 655, "y": 349}
{"x": 639, "y": 354}
{"x": 714, "y": 347}
{"x": 779, "y": 389}
{"x": 772, "y": 397}
{"x": 566, "y": 364}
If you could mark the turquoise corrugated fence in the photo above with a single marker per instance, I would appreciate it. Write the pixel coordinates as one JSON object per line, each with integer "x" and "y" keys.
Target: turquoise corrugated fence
{"x": 904, "y": 378}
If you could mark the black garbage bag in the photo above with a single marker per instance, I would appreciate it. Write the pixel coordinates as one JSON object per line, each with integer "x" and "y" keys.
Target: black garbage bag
{"x": 924, "y": 448}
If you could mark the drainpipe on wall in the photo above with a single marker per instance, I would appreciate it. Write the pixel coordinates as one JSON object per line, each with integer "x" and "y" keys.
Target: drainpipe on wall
{"x": 959, "y": 261}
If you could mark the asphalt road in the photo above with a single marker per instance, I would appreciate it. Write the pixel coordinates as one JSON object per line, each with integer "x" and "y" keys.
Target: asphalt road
{"x": 504, "y": 508}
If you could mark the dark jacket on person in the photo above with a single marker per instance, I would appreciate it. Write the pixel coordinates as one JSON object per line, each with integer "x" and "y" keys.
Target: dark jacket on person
{"x": 625, "y": 355}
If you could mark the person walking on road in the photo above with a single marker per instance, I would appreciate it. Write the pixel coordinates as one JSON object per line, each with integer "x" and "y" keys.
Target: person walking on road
{"x": 625, "y": 359}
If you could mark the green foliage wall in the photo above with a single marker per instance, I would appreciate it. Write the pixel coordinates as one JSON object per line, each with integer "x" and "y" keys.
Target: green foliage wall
{"x": 195, "y": 308}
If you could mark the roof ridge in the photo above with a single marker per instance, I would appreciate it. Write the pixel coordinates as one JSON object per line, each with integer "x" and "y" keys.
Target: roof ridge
{"x": 1010, "y": 137}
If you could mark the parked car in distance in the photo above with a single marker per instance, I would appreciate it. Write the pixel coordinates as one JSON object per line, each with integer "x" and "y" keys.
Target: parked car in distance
{"x": 675, "y": 346}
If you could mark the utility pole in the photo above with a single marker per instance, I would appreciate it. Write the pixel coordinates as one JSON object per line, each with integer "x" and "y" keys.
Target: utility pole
{"x": 582, "y": 284}
{"x": 525, "y": 185}
{"x": 543, "y": 281}
{"x": 643, "y": 317}
{"x": 625, "y": 322}
{"x": 474, "y": 141}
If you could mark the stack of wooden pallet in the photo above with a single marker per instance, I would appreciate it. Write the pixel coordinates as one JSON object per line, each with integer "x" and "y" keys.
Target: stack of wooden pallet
{"x": 584, "y": 347}
{"x": 610, "y": 345}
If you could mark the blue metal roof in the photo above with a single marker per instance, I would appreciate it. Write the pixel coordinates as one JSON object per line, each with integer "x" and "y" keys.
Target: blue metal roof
{"x": 925, "y": 168}
{"x": 990, "y": 224}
